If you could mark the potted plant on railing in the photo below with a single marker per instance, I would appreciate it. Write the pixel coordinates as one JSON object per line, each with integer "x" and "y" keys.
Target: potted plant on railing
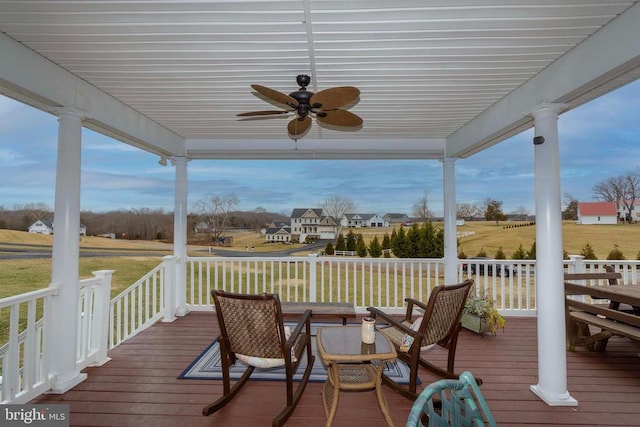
{"x": 480, "y": 315}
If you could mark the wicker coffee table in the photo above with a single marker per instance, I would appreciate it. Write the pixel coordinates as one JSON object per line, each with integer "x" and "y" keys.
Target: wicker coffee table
{"x": 352, "y": 365}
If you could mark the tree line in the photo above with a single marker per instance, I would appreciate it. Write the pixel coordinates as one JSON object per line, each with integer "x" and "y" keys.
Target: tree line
{"x": 132, "y": 224}
{"x": 419, "y": 241}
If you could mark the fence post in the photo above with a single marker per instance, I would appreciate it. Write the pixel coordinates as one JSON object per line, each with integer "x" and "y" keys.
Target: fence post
{"x": 313, "y": 268}
{"x": 101, "y": 321}
{"x": 576, "y": 264}
{"x": 169, "y": 285}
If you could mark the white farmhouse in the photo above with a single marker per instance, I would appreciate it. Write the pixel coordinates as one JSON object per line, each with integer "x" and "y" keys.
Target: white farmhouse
{"x": 597, "y": 213}
{"x": 623, "y": 212}
{"x": 310, "y": 223}
{"x": 358, "y": 220}
{"x": 46, "y": 227}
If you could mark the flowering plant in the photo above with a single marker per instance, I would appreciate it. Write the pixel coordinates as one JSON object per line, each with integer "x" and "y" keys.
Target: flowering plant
{"x": 484, "y": 307}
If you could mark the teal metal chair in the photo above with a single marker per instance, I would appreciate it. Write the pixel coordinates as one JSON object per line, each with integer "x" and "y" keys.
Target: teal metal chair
{"x": 457, "y": 403}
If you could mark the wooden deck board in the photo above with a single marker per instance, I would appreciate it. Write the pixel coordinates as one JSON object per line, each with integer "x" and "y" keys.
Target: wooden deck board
{"x": 139, "y": 386}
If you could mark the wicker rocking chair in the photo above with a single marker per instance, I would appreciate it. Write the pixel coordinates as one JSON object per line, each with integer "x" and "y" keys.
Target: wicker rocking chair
{"x": 439, "y": 325}
{"x": 253, "y": 331}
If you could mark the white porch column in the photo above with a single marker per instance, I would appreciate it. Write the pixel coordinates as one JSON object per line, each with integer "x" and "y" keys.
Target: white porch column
{"x": 180, "y": 235}
{"x": 552, "y": 353}
{"x": 63, "y": 321}
{"x": 450, "y": 230}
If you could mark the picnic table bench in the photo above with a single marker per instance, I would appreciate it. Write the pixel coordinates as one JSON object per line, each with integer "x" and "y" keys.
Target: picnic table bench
{"x": 607, "y": 317}
{"x": 344, "y": 310}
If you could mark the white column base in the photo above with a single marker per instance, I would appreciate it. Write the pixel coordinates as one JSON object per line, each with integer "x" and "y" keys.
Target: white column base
{"x": 63, "y": 386}
{"x": 181, "y": 311}
{"x": 553, "y": 400}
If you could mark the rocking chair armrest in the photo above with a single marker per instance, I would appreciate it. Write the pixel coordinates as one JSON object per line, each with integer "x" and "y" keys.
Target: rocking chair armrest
{"x": 411, "y": 302}
{"x": 376, "y": 312}
{"x": 304, "y": 320}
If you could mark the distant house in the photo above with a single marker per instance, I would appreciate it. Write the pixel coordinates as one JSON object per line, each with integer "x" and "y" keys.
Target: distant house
{"x": 355, "y": 220}
{"x": 279, "y": 234}
{"x": 46, "y": 227}
{"x": 623, "y": 212}
{"x": 327, "y": 227}
{"x": 597, "y": 213}
{"x": 396, "y": 219}
{"x": 202, "y": 227}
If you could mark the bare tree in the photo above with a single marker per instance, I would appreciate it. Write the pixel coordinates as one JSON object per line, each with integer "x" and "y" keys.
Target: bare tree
{"x": 36, "y": 211}
{"x": 622, "y": 190}
{"x": 421, "y": 209}
{"x": 465, "y": 210}
{"x": 215, "y": 211}
{"x": 521, "y": 213}
{"x": 335, "y": 207}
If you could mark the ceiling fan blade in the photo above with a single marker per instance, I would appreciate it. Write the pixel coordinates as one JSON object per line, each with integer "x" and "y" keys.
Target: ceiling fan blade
{"x": 276, "y": 96}
{"x": 335, "y": 97}
{"x": 339, "y": 118}
{"x": 299, "y": 126}
{"x": 262, "y": 113}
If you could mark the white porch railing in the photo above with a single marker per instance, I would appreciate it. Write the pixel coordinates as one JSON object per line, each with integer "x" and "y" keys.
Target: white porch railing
{"x": 382, "y": 282}
{"x": 23, "y": 358}
{"x": 143, "y": 303}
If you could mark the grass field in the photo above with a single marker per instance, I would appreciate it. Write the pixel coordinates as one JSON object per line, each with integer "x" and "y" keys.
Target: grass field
{"x": 19, "y": 276}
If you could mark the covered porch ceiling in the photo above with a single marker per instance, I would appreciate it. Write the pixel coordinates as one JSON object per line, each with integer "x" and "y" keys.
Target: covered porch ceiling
{"x": 437, "y": 78}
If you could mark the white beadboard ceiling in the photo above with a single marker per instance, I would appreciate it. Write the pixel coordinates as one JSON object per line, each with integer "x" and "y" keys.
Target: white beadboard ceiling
{"x": 431, "y": 71}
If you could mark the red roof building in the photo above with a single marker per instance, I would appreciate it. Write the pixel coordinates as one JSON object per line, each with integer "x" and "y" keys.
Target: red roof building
{"x": 597, "y": 213}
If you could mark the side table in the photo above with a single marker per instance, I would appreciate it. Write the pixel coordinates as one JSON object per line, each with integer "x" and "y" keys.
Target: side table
{"x": 352, "y": 365}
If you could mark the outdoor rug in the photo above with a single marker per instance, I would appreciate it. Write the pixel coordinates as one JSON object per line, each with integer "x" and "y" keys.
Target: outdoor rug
{"x": 207, "y": 366}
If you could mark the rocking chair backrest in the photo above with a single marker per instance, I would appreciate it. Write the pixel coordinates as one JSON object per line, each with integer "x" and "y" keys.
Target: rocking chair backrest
{"x": 444, "y": 310}
{"x": 251, "y": 324}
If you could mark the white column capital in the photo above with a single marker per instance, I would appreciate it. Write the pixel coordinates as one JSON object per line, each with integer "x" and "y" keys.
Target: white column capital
{"x": 448, "y": 160}
{"x": 68, "y": 112}
{"x": 549, "y": 108}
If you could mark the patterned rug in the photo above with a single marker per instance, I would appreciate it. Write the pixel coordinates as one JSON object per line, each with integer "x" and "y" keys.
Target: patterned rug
{"x": 207, "y": 366}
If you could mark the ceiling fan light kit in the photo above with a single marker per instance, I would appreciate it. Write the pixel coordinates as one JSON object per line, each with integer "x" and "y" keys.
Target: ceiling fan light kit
{"x": 326, "y": 106}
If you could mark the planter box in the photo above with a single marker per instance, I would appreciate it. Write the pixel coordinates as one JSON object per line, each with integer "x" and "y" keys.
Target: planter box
{"x": 475, "y": 323}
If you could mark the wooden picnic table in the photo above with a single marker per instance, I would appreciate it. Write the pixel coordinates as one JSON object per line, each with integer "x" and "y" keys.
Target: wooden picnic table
{"x": 581, "y": 314}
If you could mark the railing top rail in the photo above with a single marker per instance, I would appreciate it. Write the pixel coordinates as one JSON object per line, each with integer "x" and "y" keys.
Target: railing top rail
{"x": 137, "y": 283}
{"x": 18, "y": 299}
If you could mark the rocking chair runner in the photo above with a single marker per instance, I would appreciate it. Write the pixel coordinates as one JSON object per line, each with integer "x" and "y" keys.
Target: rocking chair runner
{"x": 252, "y": 329}
{"x": 440, "y": 325}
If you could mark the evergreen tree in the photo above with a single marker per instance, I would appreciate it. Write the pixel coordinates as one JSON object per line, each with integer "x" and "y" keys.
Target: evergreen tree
{"x": 494, "y": 212}
{"x": 481, "y": 253}
{"x": 519, "y": 253}
{"x": 587, "y": 252}
{"x": 615, "y": 253}
{"x": 412, "y": 242}
{"x": 351, "y": 241}
{"x": 375, "y": 250}
{"x": 500, "y": 254}
{"x": 361, "y": 247}
{"x": 329, "y": 250}
{"x": 398, "y": 245}
{"x": 386, "y": 245}
{"x": 340, "y": 243}
{"x": 531, "y": 253}
{"x": 438, "y": 247}
{"x": 427, "y": 242}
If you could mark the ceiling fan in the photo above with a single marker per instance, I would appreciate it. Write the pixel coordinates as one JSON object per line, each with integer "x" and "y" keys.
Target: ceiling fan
{"x": 326, "y": 106}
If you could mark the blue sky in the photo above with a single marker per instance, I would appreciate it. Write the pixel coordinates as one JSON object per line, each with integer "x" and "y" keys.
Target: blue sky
{"x": 597, "y": 140}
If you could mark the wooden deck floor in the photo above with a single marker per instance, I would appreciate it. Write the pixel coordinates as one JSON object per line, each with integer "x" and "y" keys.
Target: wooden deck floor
{"x": 138, "y": 387}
